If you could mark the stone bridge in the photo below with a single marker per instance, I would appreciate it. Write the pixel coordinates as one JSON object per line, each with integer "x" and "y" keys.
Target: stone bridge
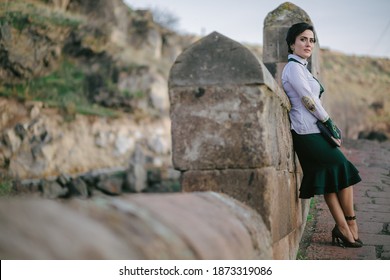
{"x": 239, "y": 173}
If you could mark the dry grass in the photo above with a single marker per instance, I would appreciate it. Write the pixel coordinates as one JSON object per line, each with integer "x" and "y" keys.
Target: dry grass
{"x": 357, "y": 92}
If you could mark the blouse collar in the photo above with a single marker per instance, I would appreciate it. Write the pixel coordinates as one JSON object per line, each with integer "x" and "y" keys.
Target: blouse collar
{"x": 300, "y": 59}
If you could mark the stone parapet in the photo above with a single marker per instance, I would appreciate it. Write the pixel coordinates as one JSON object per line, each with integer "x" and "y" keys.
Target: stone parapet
{"x": 231, "y": 134}
{"x": 133, "y": 227}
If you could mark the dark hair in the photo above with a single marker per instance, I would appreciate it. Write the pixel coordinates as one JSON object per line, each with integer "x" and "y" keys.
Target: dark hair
{"x": 295, "y": 30}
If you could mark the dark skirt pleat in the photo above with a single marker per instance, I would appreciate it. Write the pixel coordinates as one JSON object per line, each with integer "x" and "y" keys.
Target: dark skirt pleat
{"x": 325, "y": 168}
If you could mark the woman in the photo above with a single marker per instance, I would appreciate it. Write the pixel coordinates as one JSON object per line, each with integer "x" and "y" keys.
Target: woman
{"x": 326, "y": 171}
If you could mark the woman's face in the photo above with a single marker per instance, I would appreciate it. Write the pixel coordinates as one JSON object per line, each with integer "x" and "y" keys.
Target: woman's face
{"x": 304, "y": 44}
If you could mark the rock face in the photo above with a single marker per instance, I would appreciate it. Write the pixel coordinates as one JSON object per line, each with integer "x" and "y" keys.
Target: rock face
{"x": 28, "y": 50}
{"x": 172, "y": 226}
{"x": 48, "y": 145}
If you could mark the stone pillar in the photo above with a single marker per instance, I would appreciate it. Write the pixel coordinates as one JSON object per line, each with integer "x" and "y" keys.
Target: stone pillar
{"x": 230, "y": 134}
{"x": 275, "y": 54}
{"x": 275, "y": 51}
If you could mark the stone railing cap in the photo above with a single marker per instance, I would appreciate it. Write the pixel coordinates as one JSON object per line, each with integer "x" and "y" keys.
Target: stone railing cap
{"x": 286, "y": 14}
{"x": 216, "y": 60}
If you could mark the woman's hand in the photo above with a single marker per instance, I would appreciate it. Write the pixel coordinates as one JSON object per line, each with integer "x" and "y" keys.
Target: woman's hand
{"x": 337, "y": 141}
{"x": 334, "y": 130}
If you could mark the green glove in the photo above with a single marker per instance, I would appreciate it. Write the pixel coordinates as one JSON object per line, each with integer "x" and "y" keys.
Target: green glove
{"x": 333, "y": 129}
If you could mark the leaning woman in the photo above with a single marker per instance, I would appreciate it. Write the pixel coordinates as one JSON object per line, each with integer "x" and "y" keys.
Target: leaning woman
{"x": 326, "y": 171}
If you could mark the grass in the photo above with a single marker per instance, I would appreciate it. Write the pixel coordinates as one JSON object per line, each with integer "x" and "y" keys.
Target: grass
{"x": 21, "y": 15}
{"x": 308, "y": 231}
{"x": 5, "y": 186}
{"x": 64, "y": 88}
{"x": 310, "y": 215}
{"x": 352, "y": 84}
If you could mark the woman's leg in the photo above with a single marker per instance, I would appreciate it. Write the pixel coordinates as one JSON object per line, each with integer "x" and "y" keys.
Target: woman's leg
{"x": 337, "y": 212}
{"x": 345, "y": 197}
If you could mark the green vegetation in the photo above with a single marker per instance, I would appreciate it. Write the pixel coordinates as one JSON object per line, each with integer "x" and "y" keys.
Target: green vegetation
{"x": 300, "y": 255}
{"x": 20, "y": 15}
{"x": 64, "y": 88}
{"x": 136, "y": 95}
{"x": 175, "y": 186}
{"x": 308, "y": 231}
{"x": 310, "y": 215}
{"x": 5, "y": 186}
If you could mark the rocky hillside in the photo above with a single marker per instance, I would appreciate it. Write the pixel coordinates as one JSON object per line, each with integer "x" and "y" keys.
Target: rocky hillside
{"x": 83, "y": 86}
{"x": 358, "y": 93}
{"x": 84, "y": 82}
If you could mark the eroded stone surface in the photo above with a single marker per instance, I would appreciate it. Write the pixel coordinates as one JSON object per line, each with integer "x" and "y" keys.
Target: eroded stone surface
{"x": 170, "y": 226}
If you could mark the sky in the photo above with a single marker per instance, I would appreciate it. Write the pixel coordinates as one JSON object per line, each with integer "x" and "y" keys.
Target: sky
{"x": 353, "y": 27}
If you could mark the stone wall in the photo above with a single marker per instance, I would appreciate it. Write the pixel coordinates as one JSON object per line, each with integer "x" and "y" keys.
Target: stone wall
{"x": 143, "y": 227}
{"x": 230, "y": 127}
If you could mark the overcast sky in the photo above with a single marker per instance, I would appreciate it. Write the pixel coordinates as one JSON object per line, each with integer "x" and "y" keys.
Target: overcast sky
{"x": 354, "y": 27}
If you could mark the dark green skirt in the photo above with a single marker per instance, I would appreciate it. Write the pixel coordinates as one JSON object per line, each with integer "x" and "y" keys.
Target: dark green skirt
{"x": 325, "y": 168}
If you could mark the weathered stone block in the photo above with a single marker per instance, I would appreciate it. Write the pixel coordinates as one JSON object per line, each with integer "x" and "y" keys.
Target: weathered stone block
{"x": 253, "y": 187}
{"x": 208, "y": 225}
{"x": 273, "y": 194}
{"x": 239, "y": 127}
{"x": 284, "y": 205}
{"x": 228, "y": 139}
{"x": 252, "y": 221}
{"x": 170, "y": 226}
{"x": 275, "y": 48}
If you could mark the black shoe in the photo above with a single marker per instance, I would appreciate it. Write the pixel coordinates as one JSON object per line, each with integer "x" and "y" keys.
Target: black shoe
{"x": 342, "y": 241}
{"x": 359, "y": 241}
{"x": 351, "y": 218}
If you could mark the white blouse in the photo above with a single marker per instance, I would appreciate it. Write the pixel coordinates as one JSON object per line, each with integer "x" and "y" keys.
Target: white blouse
{"x": 303, "y": 90}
